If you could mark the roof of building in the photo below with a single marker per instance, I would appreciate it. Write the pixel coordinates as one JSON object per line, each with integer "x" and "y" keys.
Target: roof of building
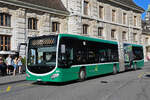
{"x": 131, "y": 4}
{"x": 55, "y": 4}
{"x": 49, "y": 5}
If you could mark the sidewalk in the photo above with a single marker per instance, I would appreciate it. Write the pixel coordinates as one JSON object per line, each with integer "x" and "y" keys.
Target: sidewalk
{"x": 12, "y": 79}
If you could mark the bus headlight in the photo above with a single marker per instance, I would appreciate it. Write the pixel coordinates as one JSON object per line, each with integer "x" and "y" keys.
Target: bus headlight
{"x": 54, "y": 76}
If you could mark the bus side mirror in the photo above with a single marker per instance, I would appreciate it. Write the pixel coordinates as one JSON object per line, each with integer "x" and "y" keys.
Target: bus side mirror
{"x": 63, "y": 49}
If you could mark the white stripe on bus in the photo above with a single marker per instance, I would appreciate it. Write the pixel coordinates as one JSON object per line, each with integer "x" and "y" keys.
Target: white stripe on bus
{"x": 94, "y": 64}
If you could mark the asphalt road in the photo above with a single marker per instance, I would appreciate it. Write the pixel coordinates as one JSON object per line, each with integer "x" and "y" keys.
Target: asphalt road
{"x": 131, "y": 85}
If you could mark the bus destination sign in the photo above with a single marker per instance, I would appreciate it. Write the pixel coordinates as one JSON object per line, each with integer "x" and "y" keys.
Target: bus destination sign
{"x": 44, "y": 41}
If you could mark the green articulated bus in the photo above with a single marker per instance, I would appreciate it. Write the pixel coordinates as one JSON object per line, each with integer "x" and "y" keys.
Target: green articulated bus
{"x": 66, "y": 57}
{"x": 133, "y": 56}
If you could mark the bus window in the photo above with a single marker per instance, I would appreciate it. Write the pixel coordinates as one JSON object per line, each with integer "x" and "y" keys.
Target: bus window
{"x": 46, "y": 55}
{"x": 114, "y": 55}
{"x": 138, "y": 53}
{"x": 40, "y": 57}
{"x": 81, "y": 57}
{"x": 32, "y": 56}
{"x": 102, "y": 56}
{"x": 92, "y": 56}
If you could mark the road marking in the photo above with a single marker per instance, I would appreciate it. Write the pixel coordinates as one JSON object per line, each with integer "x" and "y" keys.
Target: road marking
{"x": 8, "y": 89}
{"x": 140, "y": 75}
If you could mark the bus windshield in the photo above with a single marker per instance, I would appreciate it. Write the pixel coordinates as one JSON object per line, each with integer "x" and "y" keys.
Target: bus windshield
{"x": 42, "y": 51}
{"x": 42, "y": 55}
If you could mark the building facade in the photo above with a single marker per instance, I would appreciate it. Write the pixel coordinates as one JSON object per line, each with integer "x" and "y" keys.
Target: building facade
{"x": 20, "y": 19}
{"x": 146, "y": 35}
{"x": 117, "y": 20}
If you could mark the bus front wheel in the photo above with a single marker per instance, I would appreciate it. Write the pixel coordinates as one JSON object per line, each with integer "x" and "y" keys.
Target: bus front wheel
{"x": 82, "y": 74}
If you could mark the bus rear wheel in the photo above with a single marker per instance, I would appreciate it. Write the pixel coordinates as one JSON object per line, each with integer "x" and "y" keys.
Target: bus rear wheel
{"x": 82, "y": 74}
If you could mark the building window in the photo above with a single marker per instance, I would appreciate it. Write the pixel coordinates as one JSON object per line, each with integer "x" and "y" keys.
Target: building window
{"x": 32, "y": 23}
{"x": 113, "y": 34}
{"x": 124, "y": 36}
{"x": 135, "y": 20}
{"x": 85, "y": 29}
{"x": 113, "y": 15}
{"x": 124, "y": 18}
{"x": 101, "y": 12}
{"x": 85, "y": 8}
{"x": 100, "y": 31}
{"x": 134, "y": 37}
{"x": 146, "y": 40}
{"x": 5, "y": 19}
{"x": 4, "y": 43}
{"x": 55, "y": 26}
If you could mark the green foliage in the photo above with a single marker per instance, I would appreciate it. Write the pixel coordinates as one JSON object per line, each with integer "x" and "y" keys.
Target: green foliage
{"x": 23, "y": 60}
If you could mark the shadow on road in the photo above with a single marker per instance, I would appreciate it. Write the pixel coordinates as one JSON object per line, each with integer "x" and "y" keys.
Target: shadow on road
{"x": 148, "y": 75}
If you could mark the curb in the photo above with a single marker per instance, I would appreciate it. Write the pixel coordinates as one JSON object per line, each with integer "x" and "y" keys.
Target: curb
{"x": 12, "y": 79}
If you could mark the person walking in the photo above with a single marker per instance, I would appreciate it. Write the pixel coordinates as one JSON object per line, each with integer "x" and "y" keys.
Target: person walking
{"x": 15, "y": 63}
{"x": 20, "y": 64}
{"x": 9, "y": 64}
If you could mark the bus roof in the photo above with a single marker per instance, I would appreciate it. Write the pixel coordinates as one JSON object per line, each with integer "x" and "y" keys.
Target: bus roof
{"x": 88, "y": 38}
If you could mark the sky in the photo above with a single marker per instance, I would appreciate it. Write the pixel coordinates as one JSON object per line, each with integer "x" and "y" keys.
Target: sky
{"x": 144, "y": 4}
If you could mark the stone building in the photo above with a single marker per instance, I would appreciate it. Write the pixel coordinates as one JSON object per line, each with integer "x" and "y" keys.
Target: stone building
{"x": 117, "y": 20}
{"x": 146, "y": 35}
{"x": 22, "y": 18}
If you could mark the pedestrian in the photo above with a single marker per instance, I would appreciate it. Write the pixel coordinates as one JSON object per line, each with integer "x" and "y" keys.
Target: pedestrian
{"x": 2, "y": 66}
{"x": 9, "y": 64}
{"x": 20, "y": 64}
{"x": 15, "y": 63}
